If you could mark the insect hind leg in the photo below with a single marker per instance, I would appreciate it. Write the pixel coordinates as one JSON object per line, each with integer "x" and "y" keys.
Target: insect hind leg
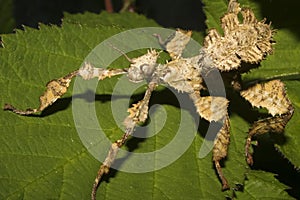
{"x": 270, "y": 95}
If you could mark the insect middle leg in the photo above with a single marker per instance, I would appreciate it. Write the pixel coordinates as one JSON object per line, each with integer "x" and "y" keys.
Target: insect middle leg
{"x": 138, "y": 113}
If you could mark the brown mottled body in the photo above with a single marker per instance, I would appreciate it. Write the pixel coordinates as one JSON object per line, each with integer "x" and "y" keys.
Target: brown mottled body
{"x": 248, "y": 41}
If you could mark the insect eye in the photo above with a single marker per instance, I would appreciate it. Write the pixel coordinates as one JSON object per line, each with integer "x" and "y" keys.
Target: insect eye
{"x": 144, "y": 67}
{"x": 147, "y": 69}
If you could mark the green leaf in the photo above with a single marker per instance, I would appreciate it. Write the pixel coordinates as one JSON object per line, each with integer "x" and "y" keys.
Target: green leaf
{"x": 262, "y": 185}
{"x": 43, "y": 157}
{"x": 7, "y": 22}
{"x": 126, "y": 20}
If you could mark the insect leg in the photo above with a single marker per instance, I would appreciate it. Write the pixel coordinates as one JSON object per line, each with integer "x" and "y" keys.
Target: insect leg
{"x": 274, "y": 124}
{"x": 175, "y": 43}
{"x": 56, "y": 88}
{"x": 214, "y": 109}
{"x": 138, "y": 113}
{"x": 270, "y": 95}
{"x": 220, "y": 149}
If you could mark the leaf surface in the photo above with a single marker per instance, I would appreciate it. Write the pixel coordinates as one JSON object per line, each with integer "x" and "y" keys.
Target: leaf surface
{"x": 7, "y": 22}
{"x": 43, "y": 157}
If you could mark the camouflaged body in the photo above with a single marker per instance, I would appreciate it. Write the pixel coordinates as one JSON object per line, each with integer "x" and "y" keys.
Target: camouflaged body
{"x": 246, "y": 41}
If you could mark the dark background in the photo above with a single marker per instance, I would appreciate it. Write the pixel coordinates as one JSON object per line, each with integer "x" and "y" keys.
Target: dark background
{"x": 185, "y": 14}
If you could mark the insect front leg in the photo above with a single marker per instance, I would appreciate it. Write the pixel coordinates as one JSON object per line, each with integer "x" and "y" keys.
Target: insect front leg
{"x": 138, "y": 113}
{"x": 270, "y": 95}
{"x": 56, "y": 88}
